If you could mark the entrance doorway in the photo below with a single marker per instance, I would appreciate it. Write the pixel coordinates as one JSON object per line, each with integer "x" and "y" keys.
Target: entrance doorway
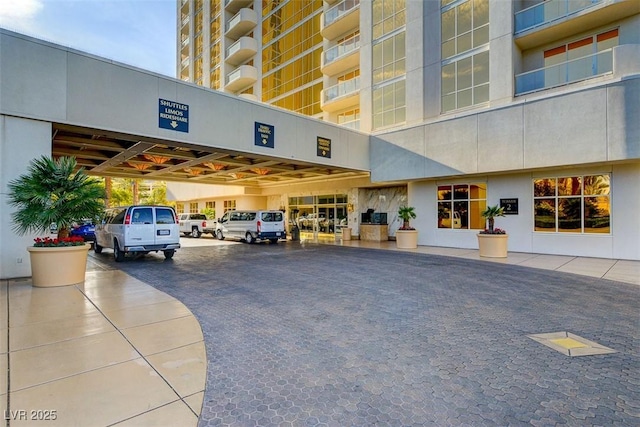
{"x": 318, "y": 217}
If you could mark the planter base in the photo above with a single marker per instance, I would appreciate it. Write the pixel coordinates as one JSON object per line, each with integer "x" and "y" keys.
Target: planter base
{"x": 61, "y": 266}
{"x": 406, "y": 239}
{"x": 493, "y": 245}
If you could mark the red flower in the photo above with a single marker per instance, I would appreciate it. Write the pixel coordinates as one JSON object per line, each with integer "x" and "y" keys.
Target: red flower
{"x": 48, "y": 242}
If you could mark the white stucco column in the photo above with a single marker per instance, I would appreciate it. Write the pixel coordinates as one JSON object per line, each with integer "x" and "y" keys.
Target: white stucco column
{"x": 21, "y": 140}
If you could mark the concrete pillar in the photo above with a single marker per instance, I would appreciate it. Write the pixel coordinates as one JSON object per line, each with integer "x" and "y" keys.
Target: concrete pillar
{"x": 21, "y": 140}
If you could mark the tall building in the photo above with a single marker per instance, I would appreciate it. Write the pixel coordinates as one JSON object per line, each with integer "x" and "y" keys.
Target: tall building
{"x": 378, "y": 64}
{"x": 465, "y": 100}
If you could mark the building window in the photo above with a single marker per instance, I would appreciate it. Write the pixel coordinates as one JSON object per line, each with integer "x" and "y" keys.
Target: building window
{"x": 575, "y": 204}
{"x": 229, "y": 205}
{"x": 460, "y": 205}
{"x": 389, "y": 63}
{"x": 210, "y": 205}
{"x": 179, "y": 208}
{"x": 389, "y": 104}
{"x": 193, "y": 207}
{"x": 465, "y": 54}
{"x": 350, "y": 118}
{"x": 389, "y": 58}
{"x": 388, "y": 16}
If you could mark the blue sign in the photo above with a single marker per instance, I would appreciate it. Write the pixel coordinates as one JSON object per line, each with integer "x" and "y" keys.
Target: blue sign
{"x": 173, "y": 115}
{"x": 265, "y": 135}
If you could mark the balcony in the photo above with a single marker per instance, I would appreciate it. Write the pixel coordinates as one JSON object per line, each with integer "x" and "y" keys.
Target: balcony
{"x": 241, "y": 77}
{"x": 240, "y": 51}
{"x": 341, "y": 57}
{"x": 340, "y": 96}
{"x": 555, "y": 19}
{"x": 340, "y": 19}
{"x": 235, "y": 5}
{"x": 243, "y": 22}
{"x": 545, "y": 12}
{"x": 565, "y": 73}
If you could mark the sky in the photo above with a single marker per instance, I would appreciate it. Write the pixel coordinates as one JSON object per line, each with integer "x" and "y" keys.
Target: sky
{"x": 141, "y": 33}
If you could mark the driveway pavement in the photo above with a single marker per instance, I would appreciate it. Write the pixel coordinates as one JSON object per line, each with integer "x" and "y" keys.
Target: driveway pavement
{"x": 306, "y": 335}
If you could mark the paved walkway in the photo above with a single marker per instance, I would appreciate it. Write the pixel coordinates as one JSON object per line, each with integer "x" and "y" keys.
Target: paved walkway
{"x": 308, "y": 334}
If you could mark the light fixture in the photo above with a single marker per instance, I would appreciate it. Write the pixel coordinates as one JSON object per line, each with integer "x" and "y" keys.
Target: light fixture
{"x": 261, "y": 171}
{"x": 139, "y": 166}
{"x": 193, "y": 172}
{"x": 237, "y": 175}
{"x": 215, "y": 166}
{"x": 156, "y": 159}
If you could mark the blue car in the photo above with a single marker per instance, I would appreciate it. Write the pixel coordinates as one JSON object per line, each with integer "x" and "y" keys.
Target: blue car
{"x": 86, "y": 230}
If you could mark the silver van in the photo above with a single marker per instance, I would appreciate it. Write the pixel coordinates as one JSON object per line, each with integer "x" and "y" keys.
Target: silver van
{"x": 252, "y": 225}
{"x": 138, "y": 229}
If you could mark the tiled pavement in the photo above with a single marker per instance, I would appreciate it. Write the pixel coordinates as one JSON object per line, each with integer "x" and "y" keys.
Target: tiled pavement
{"x": 323, "y": 335}
{"x": 307, "y": 334}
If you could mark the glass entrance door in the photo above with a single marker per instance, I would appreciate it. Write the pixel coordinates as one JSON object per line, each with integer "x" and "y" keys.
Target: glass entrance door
{"x": 319, "y": 217}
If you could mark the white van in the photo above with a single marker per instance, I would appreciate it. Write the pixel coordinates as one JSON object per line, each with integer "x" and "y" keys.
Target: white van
{"x": 138, "y": 229}
{"x": 252, "y": 225}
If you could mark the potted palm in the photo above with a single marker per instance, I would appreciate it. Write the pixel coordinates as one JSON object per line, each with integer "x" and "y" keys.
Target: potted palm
{"x": 492, "y": 241}
{"x": 406, "y": 235}
{"x": 54, "y": 192}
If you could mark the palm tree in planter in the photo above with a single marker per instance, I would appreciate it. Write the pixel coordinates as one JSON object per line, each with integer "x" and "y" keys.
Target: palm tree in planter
{"x": 406, "y": 235}
{"x": 492, "y": 241}
{"x": 55, "y": 191}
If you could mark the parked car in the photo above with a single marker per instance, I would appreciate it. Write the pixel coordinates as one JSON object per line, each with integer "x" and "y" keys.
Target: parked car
{"x": 138, "y": 229}
{"x": 194, "y": 225}
{"x": 85, "y": 229}
{"x": 252, "y": 225}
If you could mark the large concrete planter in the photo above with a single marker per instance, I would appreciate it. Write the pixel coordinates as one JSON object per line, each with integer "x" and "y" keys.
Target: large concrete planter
{"x": 58, "y": 266}
{"x": 493, "y": 245}
{"x": 406, "y": 239}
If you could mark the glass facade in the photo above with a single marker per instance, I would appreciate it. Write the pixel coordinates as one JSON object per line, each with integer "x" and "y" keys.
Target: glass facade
{"x": 465, "y": 53}
{"x": 389, "y": 63}
{"x": 291, "y": 55}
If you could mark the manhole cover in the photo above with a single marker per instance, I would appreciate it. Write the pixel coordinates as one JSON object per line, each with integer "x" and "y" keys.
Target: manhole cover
{"x": 570, "y": 344}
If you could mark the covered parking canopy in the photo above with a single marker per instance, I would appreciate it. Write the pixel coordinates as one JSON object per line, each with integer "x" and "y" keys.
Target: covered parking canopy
{"x": 113, "y": 154}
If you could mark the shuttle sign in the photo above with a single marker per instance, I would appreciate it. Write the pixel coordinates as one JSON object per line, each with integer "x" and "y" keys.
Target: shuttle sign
{"x": 173, "y": 115}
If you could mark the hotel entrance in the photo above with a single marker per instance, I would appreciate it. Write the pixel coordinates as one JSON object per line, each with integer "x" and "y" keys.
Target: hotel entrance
{"x": 318, "y": 217}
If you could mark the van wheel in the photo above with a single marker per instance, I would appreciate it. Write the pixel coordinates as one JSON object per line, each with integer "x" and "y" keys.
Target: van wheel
{"x": 118, "y": 255}
{"x": 219, "y": 235}
{"x": 275, "y": 241}
{"x": 195, "y": 233}
{"x": 249, "y": 238}
{"x": 168, "y": 254}
{"x": 97, "y": 248}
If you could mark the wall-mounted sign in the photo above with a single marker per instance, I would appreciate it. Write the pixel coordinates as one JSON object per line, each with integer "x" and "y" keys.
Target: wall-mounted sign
{"x": 510, "y": 206}
{"x": 173, "y": 115}
{"x": 265, "y": 135}
{"x": 324, "y": 147}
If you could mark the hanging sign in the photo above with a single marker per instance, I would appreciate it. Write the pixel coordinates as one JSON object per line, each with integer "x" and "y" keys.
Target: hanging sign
{"x": 265, "y": 135}
{"x": 173, "y": 115}
{"x": 324, "y": 147}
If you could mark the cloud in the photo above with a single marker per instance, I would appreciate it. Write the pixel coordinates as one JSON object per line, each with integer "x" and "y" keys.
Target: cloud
{"x": 19, "y": 9}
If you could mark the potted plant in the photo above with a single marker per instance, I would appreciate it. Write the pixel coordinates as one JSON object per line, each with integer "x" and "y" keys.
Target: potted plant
{"x": 54, "y": 192}
{"x": 406, "y": 235}
{"x": 492, "y": 241}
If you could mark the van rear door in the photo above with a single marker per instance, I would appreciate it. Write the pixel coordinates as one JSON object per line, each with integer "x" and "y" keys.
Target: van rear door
{"x": 139, "y": 225}
{"x": 167, "y": 230}
{"x": 272, "y": 222}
